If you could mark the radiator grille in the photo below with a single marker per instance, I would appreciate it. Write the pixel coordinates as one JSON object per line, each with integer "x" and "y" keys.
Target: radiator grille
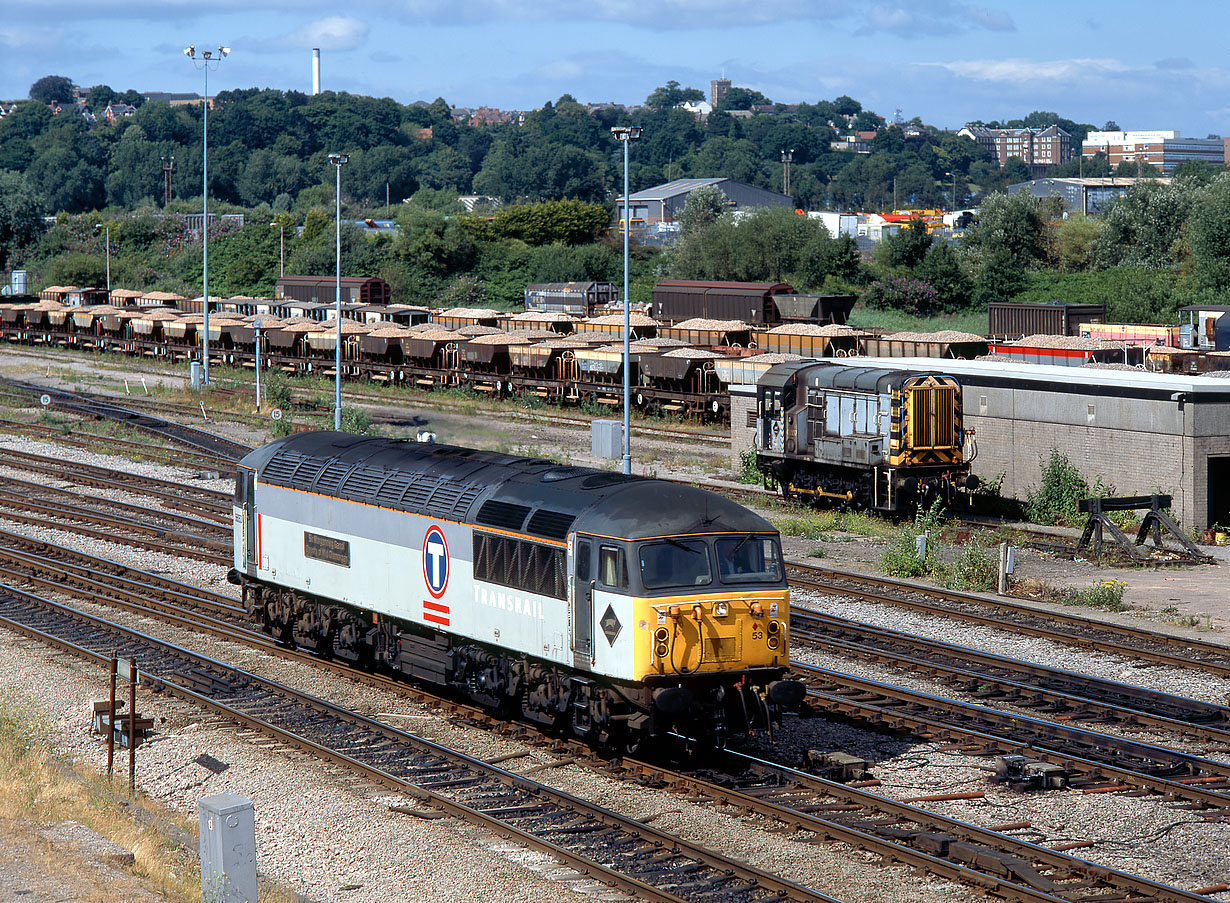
{"x": 933, "y": 417}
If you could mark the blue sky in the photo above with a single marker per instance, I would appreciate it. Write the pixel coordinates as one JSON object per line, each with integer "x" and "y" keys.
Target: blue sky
{"x": 947, "y": 62}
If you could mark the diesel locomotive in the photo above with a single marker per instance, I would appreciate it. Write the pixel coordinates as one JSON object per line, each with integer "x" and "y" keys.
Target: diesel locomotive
{"x": 862, "y": 437}
{"x": 616, "y": 608}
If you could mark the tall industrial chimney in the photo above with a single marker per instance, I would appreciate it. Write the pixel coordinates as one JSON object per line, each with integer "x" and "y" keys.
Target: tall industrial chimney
{"x": 315, "y": 70}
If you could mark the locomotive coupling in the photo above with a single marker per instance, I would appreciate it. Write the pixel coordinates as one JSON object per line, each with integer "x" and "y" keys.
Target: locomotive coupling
{"x": 787, "y": 693}
{"x": 673, "y": 700}
{"x": 234, "y": 578}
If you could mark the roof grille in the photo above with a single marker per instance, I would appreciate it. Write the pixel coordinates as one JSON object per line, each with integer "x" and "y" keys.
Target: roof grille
{"x": 306, "y": 473}
{"x": 331, "y": 477}
{"x": 552, "y": 524}
{"x": 365, "y": 483}
{"x": 281, "y": 469}
{"x": 502, "y": 514}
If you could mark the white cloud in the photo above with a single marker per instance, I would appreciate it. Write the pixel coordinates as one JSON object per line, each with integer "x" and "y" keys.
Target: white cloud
{"x": 932, "y": 17}
{"x": 672, "y": 14}
{"x": 29, "y": 38}
{"x": 1023, "y": 71}
{"x": 330, "y": 33}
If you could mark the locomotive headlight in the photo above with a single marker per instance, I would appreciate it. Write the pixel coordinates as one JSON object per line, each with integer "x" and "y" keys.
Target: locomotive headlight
{"x": 721, "y": 609}
{"x": 757, "y": 610}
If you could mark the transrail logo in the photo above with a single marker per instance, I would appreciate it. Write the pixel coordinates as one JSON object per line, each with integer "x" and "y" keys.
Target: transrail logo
{"x": 435, "y": 561}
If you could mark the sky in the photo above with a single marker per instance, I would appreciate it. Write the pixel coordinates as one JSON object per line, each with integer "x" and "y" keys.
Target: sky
{"x": 946, "y": 62}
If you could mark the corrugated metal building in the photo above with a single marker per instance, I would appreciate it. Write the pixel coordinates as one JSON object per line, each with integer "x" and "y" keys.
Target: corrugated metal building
{"x": 1089, "y": 195}
{"x": 664, "y": 203}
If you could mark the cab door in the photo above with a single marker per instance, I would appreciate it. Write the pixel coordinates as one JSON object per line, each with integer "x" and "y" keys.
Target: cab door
{"x": 581, "y": 593}
{"x": 245, "y": 487}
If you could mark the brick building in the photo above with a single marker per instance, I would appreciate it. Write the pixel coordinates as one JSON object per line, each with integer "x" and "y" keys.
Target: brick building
{"x": 1037, "y": 148}
{"x": 1163, "y": 150}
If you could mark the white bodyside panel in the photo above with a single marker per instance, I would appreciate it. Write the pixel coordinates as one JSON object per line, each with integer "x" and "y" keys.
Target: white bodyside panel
{"x": 385, "y": 561}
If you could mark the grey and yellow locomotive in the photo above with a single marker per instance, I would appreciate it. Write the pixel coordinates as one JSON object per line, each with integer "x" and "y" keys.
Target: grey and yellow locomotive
{"x": 613, "y": 607}
{"x": 863, "y": 437}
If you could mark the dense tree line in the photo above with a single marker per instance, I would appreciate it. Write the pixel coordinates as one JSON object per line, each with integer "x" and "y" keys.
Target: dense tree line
{"x": 553, "y": 177}
{"x": 270, "y": 147}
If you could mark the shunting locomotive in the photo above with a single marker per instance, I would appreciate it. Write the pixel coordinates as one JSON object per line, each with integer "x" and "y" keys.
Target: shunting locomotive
{"x": 862, "y": 437}
{"x": 613, "y": 607}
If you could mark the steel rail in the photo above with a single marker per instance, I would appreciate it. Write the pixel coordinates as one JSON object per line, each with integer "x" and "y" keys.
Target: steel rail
{"x": 174, "y": 495}
{"x": 1034, "y": 873}
{"x": 910, "y": 711}
{"x": 198, "y": 550}
{"x": 76, "y": 501}
{"x": 1064, "y": 692}
{"x": 549, "y": 819}
{"x": 1015, "y": 617}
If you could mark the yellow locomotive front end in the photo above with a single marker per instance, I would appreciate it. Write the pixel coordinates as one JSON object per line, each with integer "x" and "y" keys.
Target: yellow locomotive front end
{"x": 717, "y": 648}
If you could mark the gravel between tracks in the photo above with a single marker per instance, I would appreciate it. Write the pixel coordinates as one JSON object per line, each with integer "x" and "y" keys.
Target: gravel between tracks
{"x": 331, "y": 840}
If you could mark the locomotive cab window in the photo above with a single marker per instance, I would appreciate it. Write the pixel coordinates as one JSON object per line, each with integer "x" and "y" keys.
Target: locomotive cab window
{"x": 613, "y": 567}
{"x": 749, "y": 559}
{"x": 675, "y": 562}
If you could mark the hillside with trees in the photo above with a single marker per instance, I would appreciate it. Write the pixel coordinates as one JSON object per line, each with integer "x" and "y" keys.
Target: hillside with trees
{"x": 551, "y": 179}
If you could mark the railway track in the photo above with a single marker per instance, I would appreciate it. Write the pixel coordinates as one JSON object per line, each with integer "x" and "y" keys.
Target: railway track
{"x": 1016, "y": 617}
{"x": 1004, "y": 865}
{"x": 615, "y": 849}
{"x": 66, "y": 434}
{"x": 207, "y": 503}
{"x": 1062, "y": 695}
{"x": 182, "y": 434}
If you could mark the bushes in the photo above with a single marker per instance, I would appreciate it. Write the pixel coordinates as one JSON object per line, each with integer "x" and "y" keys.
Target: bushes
{"x": 1062, "y": 488}
{"x": 912, "y": 296}
{"x": 973, "y": 565}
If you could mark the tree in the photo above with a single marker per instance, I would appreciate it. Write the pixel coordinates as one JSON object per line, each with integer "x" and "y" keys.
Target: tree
{"x": 1145, "y": 226}
{"x": 1002, "y": 277}
{"x": 703, "y": 206}
{"x": 20, "y": 216}
{"x": 671, "y": 95}
{"x": 742, "y": 99}
{"x": 1137, "y": 169}
{"x": 942, "y": 270}
{"x": 98, "y": 97}
{"x": 567, "y": 222}
{"x": 1015, "y": 170}
{"x": 847, "y": 106}
{"x": 1071, "y": 242}
{"x": 1008, "y": 237}
{"x": 907, "y": 248}
{"x": 1209, "y": 227}
{"x": 52, "y": 89}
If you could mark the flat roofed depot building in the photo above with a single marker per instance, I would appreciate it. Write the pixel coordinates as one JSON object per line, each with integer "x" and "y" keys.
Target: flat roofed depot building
{"x": 664, "y": 203}
{"x": 1089, "y": 196}
{"x": 1141, "y": 432}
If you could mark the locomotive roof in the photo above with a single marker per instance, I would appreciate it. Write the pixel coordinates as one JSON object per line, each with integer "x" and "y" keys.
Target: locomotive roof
{"x": 830, "y": 375}
{"x": 523, "y": 495}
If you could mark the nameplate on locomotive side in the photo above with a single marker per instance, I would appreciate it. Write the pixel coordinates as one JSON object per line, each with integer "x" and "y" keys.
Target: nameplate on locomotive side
{"x": 326, "y": 548}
